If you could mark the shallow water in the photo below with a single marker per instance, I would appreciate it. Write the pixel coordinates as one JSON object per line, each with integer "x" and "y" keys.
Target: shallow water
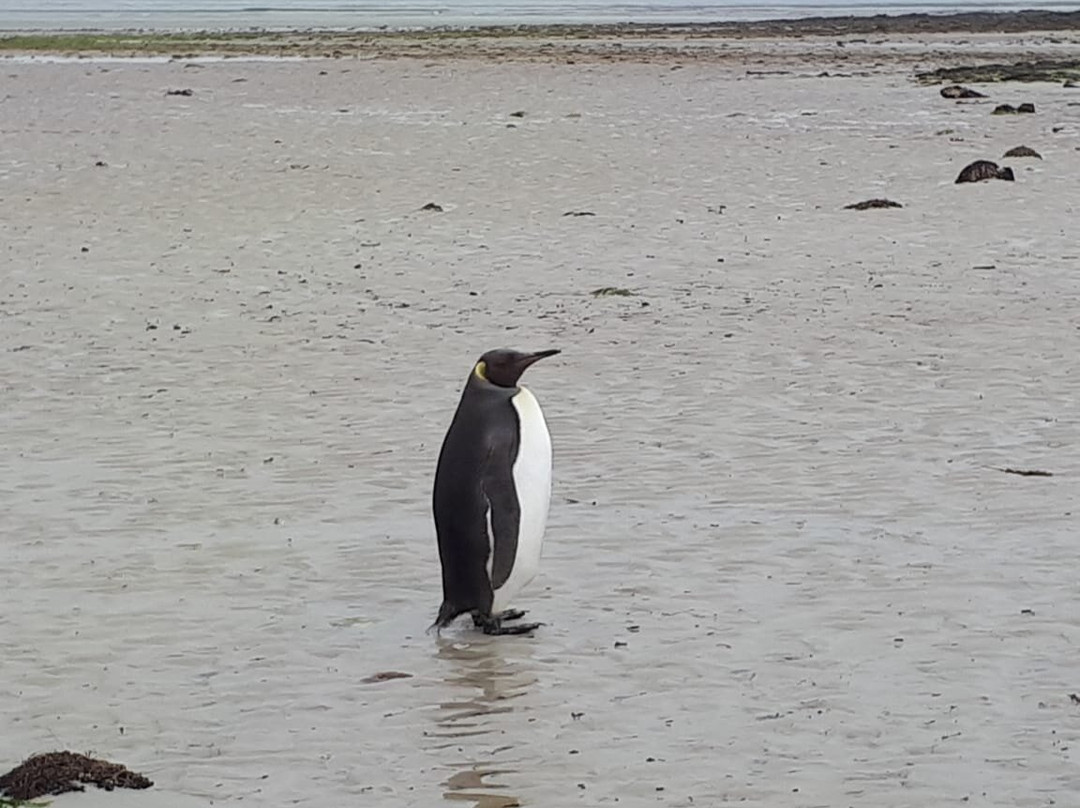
{"x": 293, "y": 14}
{"x": 782, "y": 564}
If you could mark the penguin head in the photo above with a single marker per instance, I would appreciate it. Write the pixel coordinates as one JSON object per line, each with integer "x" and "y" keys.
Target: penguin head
{"x": 503, "y": 367}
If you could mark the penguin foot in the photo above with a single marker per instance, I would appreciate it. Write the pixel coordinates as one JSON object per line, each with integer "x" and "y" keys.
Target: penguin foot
{"x": 497, "y": 629}
{"x": 510, "y": 614}
{"x": 492, "y": 624}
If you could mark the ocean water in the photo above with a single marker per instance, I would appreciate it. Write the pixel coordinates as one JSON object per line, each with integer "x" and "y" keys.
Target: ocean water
{"x": 330, "y": 14}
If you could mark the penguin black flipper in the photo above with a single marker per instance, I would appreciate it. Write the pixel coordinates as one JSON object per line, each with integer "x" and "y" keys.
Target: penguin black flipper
{"x": 503, "y": 511}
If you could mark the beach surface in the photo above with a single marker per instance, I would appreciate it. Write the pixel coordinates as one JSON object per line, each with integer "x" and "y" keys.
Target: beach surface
{"x": 789, "y": 561}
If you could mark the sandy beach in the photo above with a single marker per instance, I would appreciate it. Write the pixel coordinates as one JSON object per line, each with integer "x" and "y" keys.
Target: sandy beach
{"x": 785, "y": 564}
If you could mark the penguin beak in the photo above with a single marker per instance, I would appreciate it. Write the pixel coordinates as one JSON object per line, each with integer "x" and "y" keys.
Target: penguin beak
{"x": 536, "y": 357}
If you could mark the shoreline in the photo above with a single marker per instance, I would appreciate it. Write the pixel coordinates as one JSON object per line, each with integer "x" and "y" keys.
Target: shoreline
{"x": 439, "y": 41}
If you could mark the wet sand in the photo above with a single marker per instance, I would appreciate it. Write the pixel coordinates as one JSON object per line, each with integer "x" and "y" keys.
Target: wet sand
{"x": 783, "y": 564}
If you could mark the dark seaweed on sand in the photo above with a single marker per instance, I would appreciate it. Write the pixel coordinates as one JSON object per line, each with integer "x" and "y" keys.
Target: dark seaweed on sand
{"x": 1024, "y": 472}
{"x": 1041, "y": 70}
{"x": 1022, "y": 151}
{"x": 873, "y": 203}
{"x": 985, "y": 170}
{"x": 956, "y": 91}
{"x": 59, "y": 772}
{"x": 1009, "y": 109}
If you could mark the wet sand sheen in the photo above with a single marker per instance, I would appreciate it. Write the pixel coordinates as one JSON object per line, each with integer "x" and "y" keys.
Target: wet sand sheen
{"x": 782, "y": 564}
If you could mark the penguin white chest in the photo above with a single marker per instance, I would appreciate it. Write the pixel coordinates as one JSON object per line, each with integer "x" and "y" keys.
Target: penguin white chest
{"x": 532, "y": 482}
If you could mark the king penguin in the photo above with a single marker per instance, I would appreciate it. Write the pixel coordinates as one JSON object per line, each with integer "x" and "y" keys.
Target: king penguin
{"x": 492, "y": 491}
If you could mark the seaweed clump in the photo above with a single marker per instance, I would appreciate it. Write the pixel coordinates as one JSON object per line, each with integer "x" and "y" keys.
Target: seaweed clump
{"x": 956, "y": 91}
{"x": 59, "y": 772}
{"x": 1039, "y": 70}
{"x": 870, "y": 204}
{"x": 1022, "y": 151}
{"x": 985, "y": 170}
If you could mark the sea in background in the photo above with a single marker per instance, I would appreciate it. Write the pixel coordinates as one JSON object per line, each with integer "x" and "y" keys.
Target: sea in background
{"x": 350, "y": 14}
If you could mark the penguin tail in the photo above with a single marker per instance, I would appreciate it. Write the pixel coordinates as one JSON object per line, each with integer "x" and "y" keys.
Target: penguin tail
{"x": 447, "y": 613}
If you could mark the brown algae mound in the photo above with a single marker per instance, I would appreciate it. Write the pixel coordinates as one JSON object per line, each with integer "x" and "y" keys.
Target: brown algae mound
{"x": 873, "y": 203}
{"x": 1055, "y": 70}
{"x": 956, "y": 91}
{"x": 985, "y": 170}
{"x": 59, "y": 772}
{"x": 1009, "y": 109}
{"x": 1022, "y": 151}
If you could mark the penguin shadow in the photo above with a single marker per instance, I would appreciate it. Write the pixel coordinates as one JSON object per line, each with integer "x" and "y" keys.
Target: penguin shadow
{"x": 488, "y": 684}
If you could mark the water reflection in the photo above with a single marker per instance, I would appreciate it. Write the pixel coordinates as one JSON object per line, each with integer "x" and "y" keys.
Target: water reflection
{"x": 488, "y": 684}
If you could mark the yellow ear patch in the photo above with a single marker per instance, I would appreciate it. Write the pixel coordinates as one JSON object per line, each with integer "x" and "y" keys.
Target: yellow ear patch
{"x": 481, "y": 370}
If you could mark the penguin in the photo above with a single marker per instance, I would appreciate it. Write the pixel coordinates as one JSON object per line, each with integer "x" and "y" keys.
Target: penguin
{"x": 491, "y": 494}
